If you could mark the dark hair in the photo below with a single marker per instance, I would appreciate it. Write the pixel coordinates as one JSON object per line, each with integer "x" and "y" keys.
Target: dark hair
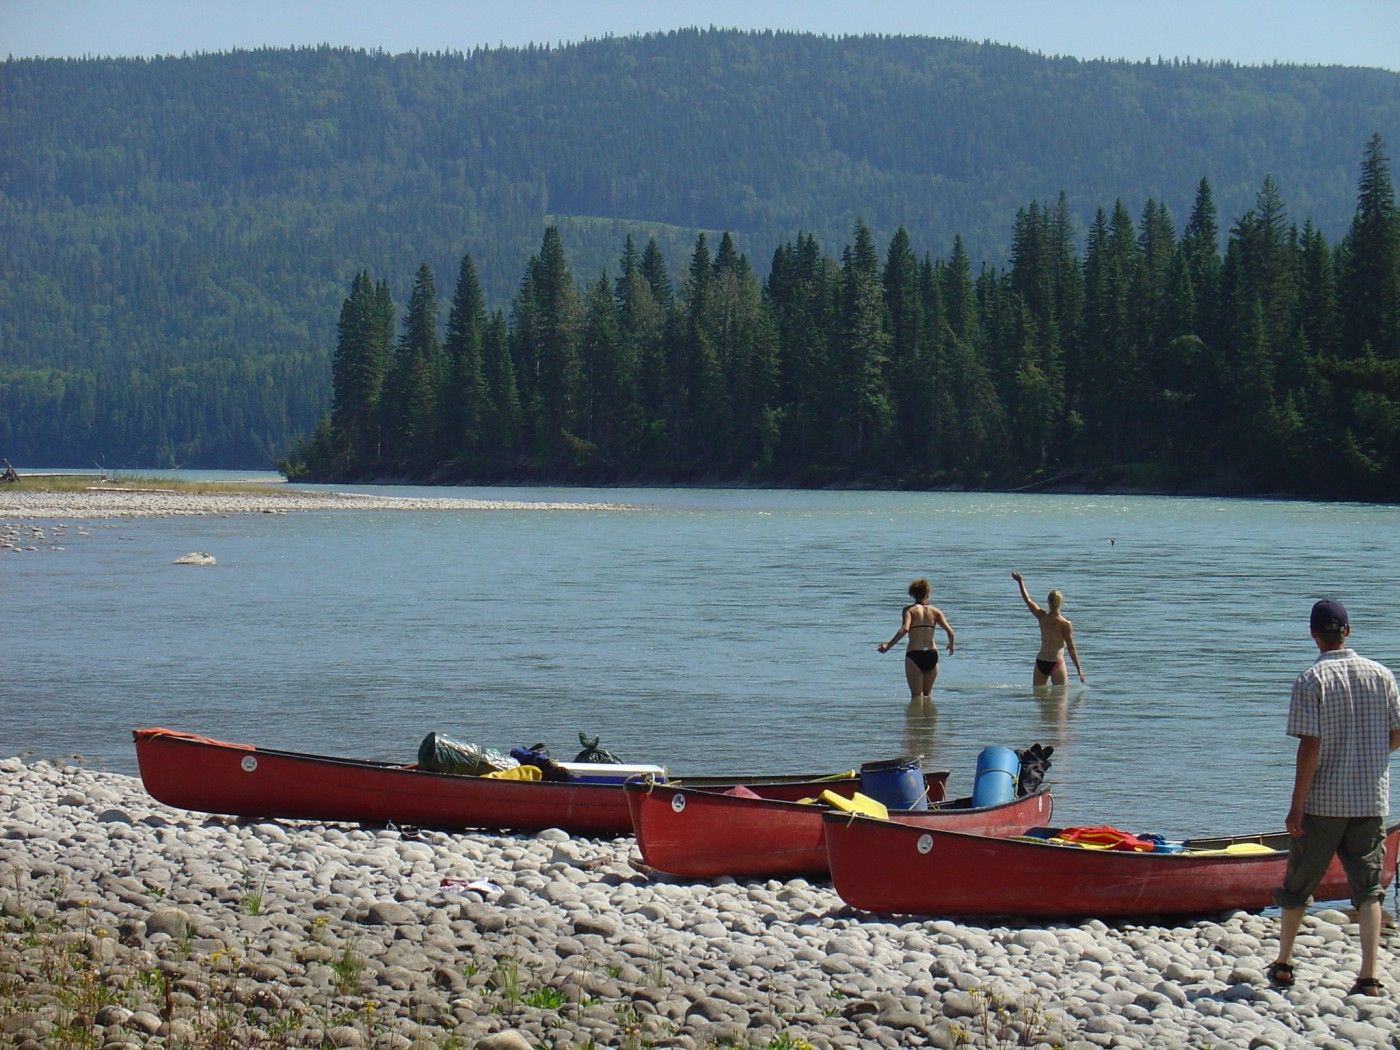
{"x": 919, "y": 589}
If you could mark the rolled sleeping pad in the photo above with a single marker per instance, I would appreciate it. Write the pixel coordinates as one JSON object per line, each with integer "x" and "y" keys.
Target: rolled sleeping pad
{"x": 997, "y": 771}
{"x": 898, "y": 783}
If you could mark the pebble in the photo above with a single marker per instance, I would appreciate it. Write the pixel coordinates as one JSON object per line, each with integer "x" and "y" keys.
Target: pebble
{"x": 354, "y": 942}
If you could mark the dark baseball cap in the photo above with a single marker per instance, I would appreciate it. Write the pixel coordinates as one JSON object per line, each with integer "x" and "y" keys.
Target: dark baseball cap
{"x": 1328, "y": 615}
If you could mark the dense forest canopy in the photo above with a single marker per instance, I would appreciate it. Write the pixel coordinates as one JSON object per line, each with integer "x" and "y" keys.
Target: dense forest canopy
{"x": 176, "y": 233}
{"x": 1153, "y": 359}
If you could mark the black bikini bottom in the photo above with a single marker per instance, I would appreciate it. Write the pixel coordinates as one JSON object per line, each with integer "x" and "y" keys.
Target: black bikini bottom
{"x": 1047, "y": 667}
{"x": 924, "y": 659}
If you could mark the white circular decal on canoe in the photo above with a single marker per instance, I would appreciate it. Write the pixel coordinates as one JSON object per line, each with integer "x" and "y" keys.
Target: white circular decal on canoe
{"x": 678, "y": 802}
{"x": 925, "y": 843}
{"x": 249, "y": 763}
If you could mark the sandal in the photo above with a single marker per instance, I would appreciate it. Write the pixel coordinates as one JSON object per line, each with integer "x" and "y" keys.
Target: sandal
{"x": 1280, "y": 974}
{"x": 1367, "y": 986}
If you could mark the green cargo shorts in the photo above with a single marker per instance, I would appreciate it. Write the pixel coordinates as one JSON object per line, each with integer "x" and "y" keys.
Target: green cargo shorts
{"x": 1359, "y": 842}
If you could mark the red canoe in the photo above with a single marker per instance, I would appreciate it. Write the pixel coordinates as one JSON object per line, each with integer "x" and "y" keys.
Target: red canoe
{"x": 901, "y": 868}
{"x": 214, "y": 776}
{"x": 705, "y": 834}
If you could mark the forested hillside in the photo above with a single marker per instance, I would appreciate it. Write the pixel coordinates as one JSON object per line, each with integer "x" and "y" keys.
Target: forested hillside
{"x": 177, "y": 235}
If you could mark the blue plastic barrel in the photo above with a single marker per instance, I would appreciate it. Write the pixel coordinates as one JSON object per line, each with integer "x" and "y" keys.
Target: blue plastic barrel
{"x": 997, "y": 771}
{"x": 898, "y": 783}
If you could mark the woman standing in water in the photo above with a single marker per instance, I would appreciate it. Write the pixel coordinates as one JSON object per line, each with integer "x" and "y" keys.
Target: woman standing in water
{"x": 921, "y": 657}
{"x": 1056, "y": 635}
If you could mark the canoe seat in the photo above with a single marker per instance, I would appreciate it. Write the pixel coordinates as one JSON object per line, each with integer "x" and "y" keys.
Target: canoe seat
{"x": 857, "y": 803}
{"x": 1235, "y": 849}
{"x": 515, "y": 773}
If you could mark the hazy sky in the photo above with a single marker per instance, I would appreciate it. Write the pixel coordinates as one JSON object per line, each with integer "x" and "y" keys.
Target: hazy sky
{"x": 1343, "y": 32}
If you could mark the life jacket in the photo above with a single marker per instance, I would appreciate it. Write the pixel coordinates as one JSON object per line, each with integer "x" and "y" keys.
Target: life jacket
{"x": 1102, "y": 836}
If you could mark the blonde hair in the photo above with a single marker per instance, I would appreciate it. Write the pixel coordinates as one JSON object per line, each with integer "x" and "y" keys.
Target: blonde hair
{"x": 919, "y": 589}
{"x": 1056, "y": 599}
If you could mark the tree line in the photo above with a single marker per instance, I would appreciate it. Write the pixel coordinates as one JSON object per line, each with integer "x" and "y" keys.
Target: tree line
{"x": 1153, "y": 358}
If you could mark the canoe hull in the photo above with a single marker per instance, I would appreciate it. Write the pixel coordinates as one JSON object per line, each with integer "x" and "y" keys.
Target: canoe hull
{"x": 214, "y": 776}
{"x": 898, "y": 868}
{"x": 704, "y": 834}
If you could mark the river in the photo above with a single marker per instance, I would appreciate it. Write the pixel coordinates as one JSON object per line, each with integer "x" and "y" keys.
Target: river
{"x": 725, "y": 630}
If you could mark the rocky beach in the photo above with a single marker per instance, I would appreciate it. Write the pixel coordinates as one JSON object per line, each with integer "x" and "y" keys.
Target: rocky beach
{"x": 130, "y": 924}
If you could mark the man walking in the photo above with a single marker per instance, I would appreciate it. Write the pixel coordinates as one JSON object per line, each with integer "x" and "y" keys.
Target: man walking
{"x": 1345, "y": 712}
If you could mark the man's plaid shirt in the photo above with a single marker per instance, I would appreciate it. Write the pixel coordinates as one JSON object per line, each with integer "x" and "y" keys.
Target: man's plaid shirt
{"x": 1351, "y": 705}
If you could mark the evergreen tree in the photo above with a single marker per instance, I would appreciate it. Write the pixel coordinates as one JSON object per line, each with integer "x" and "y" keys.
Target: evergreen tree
{"x": 911, "y": 366}
{"x": 525, "y": 338}
{"x": 959, "y": 296}
{"x": 1113, "y": 374}
{"x": 1271, "y": 256}
{"x": 747, "y": 349}
{"x": 1316, "y": 313}
{"x": 866, "y": 418}
{"x": 559, "y": 319}
{"x": 357, "y": 377}
{"x": 410, "y": 394}
{"x": 1370, "y": 277}
{"x": 463, "y": 399}
{"x": 642, "y": 326}
{"x": 804, "y": 288}
{"x": 501, "y": 430}
{"x": 705, "y": 418}
{"x": 1035, "y": 399}
{"x": 1200, "y": 245}
{"x": 608, "y": 409}
{"x": 654, "y": 270}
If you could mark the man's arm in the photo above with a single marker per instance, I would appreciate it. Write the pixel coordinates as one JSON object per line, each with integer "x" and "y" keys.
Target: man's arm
{"x": 1305, "y": 768}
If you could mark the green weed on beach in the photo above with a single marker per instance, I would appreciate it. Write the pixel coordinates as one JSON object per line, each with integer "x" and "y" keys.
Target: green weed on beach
{"x": 123, "y": 482}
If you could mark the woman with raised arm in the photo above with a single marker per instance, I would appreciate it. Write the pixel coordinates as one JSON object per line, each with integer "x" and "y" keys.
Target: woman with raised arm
{"x": 1056, "y": 635}
{"x": 921, "y": 655}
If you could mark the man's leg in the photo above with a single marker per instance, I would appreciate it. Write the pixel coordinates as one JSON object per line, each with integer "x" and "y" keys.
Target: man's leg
{"x": 1362, "y": 851}
{"x": 1288, "y": 931}
{"x": 1309, "y": 855}
{"x": 1369, "y": 916}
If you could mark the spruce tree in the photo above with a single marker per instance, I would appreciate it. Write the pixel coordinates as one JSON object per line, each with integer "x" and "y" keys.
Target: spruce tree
{"x": 357, "y": 378}
{"x": 642, "y": 326}
{"x": 501, "y": 430}
{"x": 410, "y": 407}
{"x": 1370, "y": 278}
{"x": 1200, "y": 245}
{"x": 910, "y": 369}
{"x": 607, "y": 405}
{"x": 866, "y": 422}
{"x": 558, "y": 317}
{"x": 705, "y": 421}
{"x": 654, "y": 270}
{"x": 463, "y": 401}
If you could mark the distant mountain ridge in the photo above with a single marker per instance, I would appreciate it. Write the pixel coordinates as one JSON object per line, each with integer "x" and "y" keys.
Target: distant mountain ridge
{"x": 181, "y": 230}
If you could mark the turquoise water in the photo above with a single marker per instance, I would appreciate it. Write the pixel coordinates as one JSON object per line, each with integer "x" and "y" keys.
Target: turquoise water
{"x": 713, "y": 630}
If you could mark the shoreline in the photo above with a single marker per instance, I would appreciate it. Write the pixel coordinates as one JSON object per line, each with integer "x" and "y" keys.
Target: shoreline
{"x": 18, "y": 504}
{"x": 116, "y": 504}
{"x": 136, "y": 924}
